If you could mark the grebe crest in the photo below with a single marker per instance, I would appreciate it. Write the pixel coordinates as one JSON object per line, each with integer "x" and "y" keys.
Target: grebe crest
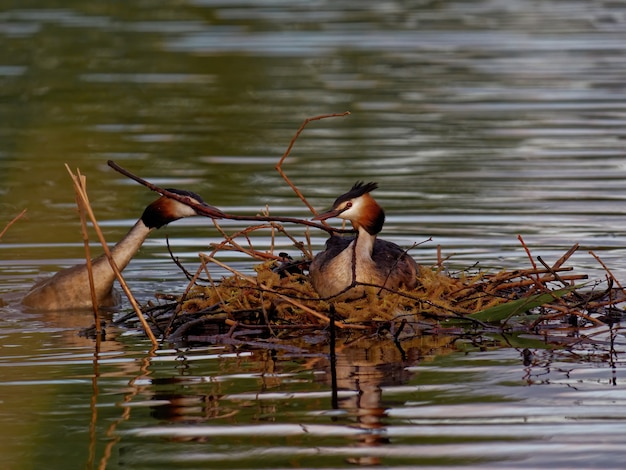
{"x": 359, "y": 208}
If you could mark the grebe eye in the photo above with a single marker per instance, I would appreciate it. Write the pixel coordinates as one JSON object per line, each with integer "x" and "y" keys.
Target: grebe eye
{"x": 348, "y": 205}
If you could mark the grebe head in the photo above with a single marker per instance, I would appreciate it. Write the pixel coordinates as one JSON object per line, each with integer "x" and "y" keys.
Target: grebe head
{"x": 358, "y": 207}
{"x": 165, "y": 210}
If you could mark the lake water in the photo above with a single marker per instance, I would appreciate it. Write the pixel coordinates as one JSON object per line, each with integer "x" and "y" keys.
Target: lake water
{"x": 480, "y": 121}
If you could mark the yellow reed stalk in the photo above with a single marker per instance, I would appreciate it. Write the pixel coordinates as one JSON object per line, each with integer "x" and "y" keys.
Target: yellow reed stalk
{"x": 80, "y": 181}
{"x": 82, "y": 195}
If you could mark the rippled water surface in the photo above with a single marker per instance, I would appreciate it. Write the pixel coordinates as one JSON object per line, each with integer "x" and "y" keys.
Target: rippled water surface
{"x": 480, "y": 121}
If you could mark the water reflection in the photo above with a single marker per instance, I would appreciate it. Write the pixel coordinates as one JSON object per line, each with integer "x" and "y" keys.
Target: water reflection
{"x": 395, "y": 404}
{"x": 383, "y": 402}
{"x": 365, "y": 366}
{"x": 354, "y": 379}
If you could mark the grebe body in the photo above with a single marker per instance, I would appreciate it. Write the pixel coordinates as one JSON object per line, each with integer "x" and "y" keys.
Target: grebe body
{"x": 69, "y": 289}
{"x": 364, "y": 258}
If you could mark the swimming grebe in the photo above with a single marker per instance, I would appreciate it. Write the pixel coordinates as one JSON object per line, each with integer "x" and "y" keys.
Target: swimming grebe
{"x": 364, "y": 258}
{"x": 69, "y": 289}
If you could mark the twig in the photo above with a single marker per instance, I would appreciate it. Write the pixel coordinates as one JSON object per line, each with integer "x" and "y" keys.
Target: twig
{"x": 564, "y": 310}
{"x": 607, "y": 270}
{"x": 252, "y": 252}
{"x": 538, "y": 283}
{"x": 15, "y": 219}
{"x": 202, "y": 209}
{"x": 507, "y": 275}
{"x": 440, "y": 258}
{"x": 558, "y": 278}
{"x": 532, "y": 261}
{"x": 230, "y": 239}
{"x": 192, "y": 282}
{"x": 176, "y": 260}
{"x": 528, "y": 282}
{"x": 393, "y": 266}
{"x": 564, "y": 258}
{"x": 279, "y": 165}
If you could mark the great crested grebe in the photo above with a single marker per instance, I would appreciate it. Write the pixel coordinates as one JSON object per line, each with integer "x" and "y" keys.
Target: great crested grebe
{"x": 69, "y": 289}
{"x": 365, "y": 258}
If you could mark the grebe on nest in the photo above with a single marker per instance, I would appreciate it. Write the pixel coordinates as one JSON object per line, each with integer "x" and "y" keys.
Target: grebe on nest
{"x": 69, "y": 289}
{"x": 365, "y": 258}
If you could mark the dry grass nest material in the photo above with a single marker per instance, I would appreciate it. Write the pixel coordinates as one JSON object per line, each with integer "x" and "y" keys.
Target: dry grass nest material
{"x": 275, "y": 301}
{"x": 276, "y": 295}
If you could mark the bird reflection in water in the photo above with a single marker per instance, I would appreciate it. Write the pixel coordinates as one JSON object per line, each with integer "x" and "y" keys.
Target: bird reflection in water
{"x": 357, "y": 375}
{"x": 368, "y": 365}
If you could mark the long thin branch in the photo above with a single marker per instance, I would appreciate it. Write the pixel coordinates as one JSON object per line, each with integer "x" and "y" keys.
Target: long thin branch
{"x": 279, "y": 165}
{"x": 15, "y": 219}
{"x": 608, "y": 271}
{"x": 211, "y": 212}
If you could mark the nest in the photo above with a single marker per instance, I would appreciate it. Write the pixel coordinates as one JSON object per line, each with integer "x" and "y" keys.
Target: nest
{"x": 278, "y": 303}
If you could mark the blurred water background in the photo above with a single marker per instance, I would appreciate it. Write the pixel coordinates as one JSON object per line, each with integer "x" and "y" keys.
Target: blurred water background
{"x": 480, "y": 121}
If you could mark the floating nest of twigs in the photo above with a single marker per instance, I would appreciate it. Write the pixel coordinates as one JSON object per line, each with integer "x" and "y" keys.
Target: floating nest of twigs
{"x": 278, "y": 302}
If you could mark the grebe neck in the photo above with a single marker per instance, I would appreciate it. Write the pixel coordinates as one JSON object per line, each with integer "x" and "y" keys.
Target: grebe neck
{"x": 364, "y": 244}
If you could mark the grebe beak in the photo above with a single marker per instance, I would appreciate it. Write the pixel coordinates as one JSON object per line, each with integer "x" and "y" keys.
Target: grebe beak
{"x": 328, "y": 214}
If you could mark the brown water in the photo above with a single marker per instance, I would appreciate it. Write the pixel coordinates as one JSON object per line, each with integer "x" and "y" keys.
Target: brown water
{"x": 479, "y": 120}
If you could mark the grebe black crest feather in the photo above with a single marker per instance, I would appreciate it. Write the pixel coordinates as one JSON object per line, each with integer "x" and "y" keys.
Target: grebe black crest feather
{"x": 359, "y": 189}
{"x": 183, "y": 192}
